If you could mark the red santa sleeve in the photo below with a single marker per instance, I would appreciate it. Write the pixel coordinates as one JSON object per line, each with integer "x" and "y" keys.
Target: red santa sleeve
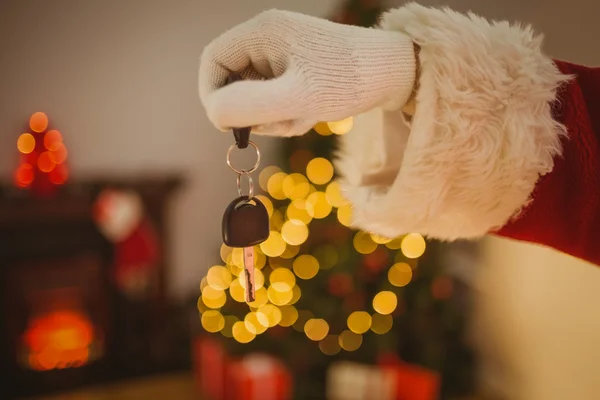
{"x": 564, "y": 211}
{"x": 502, "y": 140}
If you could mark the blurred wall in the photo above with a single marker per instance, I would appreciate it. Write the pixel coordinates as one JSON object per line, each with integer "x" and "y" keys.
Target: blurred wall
{"x": 119, "y": 79}
{"x": 537, "y": 320}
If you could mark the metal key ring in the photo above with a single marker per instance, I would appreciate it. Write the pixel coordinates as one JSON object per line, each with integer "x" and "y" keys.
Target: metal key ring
{"x": 250, "y": 184}
{"x": 244, "y": 171}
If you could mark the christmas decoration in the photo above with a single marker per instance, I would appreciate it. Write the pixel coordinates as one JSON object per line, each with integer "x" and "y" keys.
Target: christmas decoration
{"x": 43, "y": 157}
{"x": 326, "y": 293}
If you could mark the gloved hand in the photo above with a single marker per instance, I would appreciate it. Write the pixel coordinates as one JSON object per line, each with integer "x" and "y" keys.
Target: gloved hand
{"x": 299, "y": 70}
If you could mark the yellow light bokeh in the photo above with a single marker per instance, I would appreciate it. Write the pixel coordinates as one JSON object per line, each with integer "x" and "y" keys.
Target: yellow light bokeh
{"x": 213, "y": 298}
{"x": 294, "y": 232}
{"x": 259, "y": 258}
{"x": 400, "y": 274}
{"x": 274, "y": 246}
{"x": 265, "y": 174}
{"x": 218, "y": 277}
{"x": 413, "y": 245}
{"x": 282, "y": 280}
{"x": 290, "y": 252}
{"x": 394, "y": 244}
{"x": 380, "y": 239}
{"x": 317, "y": 205}
{"x": 225, "y": 253}
{"x": 359, "y": 321}
{"x": 276, "y": 220}
{"x": 279, "y": 298}
{"x": 322, "y": 128}
{"x": 303, "y": 317}
{"x": 212, "y": 321}
{"x": 289, "y": 315}
{"x": 202, "y": 308}
{"x": 297, "y": 210}
{"x": 237, "y": 292}
{"x": 316, "y": 329}
{"x": 327, "y": 256}
{"x": 38, "y": 122}
{"x": 266, "y": 202}
{"x": 295, "y": 186}
{"x": 344, "y": 215}
{"x": 260, "y": 298}
{"x": 330, "y": 345}
{"x": 381, "y": 324}
{"x": 385, "y": 302}
{"x": 306, "y": 266}
{"x": 269, "y": 315}
{"x": 26, "y": 143}
{"x": 203, "y": 284}
{"x": 333, "y": 193}
{"x": 350, "y": 341}
{"x": 252, "y": 324}
{"x": 259, "y": 279}
{"x": 275, "y": 185}
{"x": 241, "y": 333}
{"x": 319, "y": 170}
{"x": 363, "y": 243}
{"x": 227, "y": 330}
{"x": 296, "y": 294}
{"x": 341, "y": 127}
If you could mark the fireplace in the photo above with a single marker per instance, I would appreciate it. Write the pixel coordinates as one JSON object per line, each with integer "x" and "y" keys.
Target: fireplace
{"x": 65, "y": 323}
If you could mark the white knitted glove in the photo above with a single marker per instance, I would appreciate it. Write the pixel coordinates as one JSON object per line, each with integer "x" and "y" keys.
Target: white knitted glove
{"x": 315, "y": 70}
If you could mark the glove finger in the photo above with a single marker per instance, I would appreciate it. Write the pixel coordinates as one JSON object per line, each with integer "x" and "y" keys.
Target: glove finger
{"x": 288, "y": 128}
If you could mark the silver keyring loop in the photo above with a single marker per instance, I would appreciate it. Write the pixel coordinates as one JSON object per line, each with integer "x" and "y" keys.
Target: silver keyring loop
{"x": 250, "y": 184}
{"x": 244, "y": 171}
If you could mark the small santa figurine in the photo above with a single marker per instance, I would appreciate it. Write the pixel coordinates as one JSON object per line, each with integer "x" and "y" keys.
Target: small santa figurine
{"x": 463, "y": 126}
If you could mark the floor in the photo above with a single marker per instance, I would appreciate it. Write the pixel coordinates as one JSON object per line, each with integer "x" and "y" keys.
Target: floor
{"x": 179, "y": 386}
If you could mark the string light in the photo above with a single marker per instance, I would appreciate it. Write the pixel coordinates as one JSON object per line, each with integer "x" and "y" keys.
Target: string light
{"x": 26, "y": 143}
{"x": 294, "y": 232}
{"x": 381, "y": 324}
{"x": 241, "y": 333}
{"x": 212, "y": 321}
{"x": 282, "y": 280}
{"x": 274, "y": 246}
{"x": 330, "y": 345}
{"x": 319, "y": 170}
{"x": 400, "y": 274}
{"x": 317, "y": 205}
{"x": 275, "y": 185}
{"x": 413, "y": 245}
{"x": 45, "y": 162}
{"x": 52, "y": 140}
{"x": 385, "y": 302}
{"x": 38, "y": 122}
{"x": 359, "y": 321}
{"x": 289, "y": 315}
{"x": 363, "y": 243}
{"x": 269, "y": 315}
{"x": 341, "y": 127}
{"x": 297, "y": 210}
{"x": 316, "y": 329}
{"x": 252, "y": 324}
{"x": 306, "y": 266}
{"x": 213, "y": 298}
{"x": 218, "y": 277}
{"x": 237, "y": 292}
{"x": 350, "y": 341}
{"x": 279, "y": 298}
{"x": 295, "y": 186}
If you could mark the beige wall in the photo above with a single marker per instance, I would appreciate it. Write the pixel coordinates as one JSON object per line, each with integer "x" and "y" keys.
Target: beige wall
{"x": 119, "y": 79}
{"x": 538, "y": 322}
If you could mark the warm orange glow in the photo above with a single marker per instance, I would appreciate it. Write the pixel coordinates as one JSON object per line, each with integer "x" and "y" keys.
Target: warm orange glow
{"x": 57, "y": 340}
{"x": 59, "y": 174}
{"x": 52, "y": 140}
{"x": 38, "y": 122}
{"x": 45, "y": 162}
{"x": 26, "y": 143}
{"x": 24, "y": 175}
{"x": 59, "y": 154}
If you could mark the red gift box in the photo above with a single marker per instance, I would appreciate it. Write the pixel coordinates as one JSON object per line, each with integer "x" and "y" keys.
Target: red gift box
{"x": 412, "y": 381}
{"x": 258, "y": 377}
{"x": 210, "y": 363}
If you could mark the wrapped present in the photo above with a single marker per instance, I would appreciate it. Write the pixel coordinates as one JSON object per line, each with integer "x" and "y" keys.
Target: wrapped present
{"x": 354, "y": 381}
{"x": 412, "y": 382}
{"x": 210, "y": 363}
{"x": 258, "y": 377}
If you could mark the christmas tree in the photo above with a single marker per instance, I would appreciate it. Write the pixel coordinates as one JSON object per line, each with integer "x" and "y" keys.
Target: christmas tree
{"x": 326, "y": 292}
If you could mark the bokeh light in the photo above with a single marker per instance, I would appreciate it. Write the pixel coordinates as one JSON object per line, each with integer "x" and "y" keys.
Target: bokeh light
{"x": 413, "y": 245}
{"x": 344, "y": 215}
{"x": 303, "y": 317}
{"x": 296, "y": 294}
{"x": 24, "y": 175}
{"x": 265, "y": 174}
{"x": 213, "y": 298}
{"x": 319, "y": 170}
{"x": 359, "y": 321}
{"x": 350, "y": 341}
{"x": 394, "y": 244}
{"x": 26, "y": 143}
{"x": 306, "y": 266}
{"x": 282, "y": 280}
{"x": 295, "y": 186}
{"x": 333, "y": 193}
{"x": 202, "y": 308}
{"x": 52, "y": 140}
{"x": 260, "y": 299}
{"x": 330, "y": 345}
{"x": 322, "y": 128}
{"x": 380, "y": 239}
{"x": 381, "y": 324}
{"x": 294, "y": 232}
{"x": 252, "y": 324}
{"x": 385, "y": 302}
{"x": 297, "y": 210}
{"x": 327, "y": 256}
{"x": 218, "y": 277}
{"x": 237, "y": 292}
{"x": 289, "y": 315}
{"x": 38, "y": 122}
{"x": 279, "y": 298}
{"x": 400, "y": 274}
{"x": 363, "y": 243}
{"x": 269, "y": 315}
{"x": 290, "y": 252}
{"x": 259, "y": 279}
{"x": 275, "y": 185}
{"x": 274, "y": 246}
{"x": 45, "y": 162}
{"x": 317, "y": 205}
{"x": 227, "y": 330}
{"x": 341, "y": 127}
{"x": 59, "y": 174}
{"x": 212, "y": 321}
{"x": 241, "y": 333}
{"x": 316, "y": 329}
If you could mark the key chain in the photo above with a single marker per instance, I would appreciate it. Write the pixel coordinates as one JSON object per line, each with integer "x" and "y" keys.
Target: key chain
{"x": 246, "y": 220}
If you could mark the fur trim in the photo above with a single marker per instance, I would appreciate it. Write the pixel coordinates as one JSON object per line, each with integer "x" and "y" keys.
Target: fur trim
{"x": 481, "y": 136}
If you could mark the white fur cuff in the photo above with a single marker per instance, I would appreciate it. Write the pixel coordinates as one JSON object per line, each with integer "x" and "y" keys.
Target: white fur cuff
{"x": 481, "y": 136}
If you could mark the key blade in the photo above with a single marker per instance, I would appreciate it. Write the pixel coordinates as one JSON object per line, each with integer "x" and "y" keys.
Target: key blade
{"x": 249, "y": 274}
